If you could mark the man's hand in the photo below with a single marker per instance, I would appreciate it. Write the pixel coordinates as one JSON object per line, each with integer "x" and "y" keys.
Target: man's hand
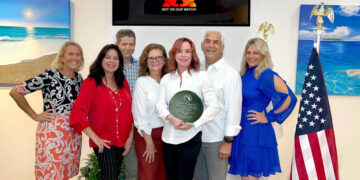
{"x": 225, "y": 150}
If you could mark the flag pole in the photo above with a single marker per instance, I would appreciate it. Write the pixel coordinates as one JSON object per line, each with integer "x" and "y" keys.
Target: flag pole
{"x": 317, "y": 41}
{"x": 320, "y": 13}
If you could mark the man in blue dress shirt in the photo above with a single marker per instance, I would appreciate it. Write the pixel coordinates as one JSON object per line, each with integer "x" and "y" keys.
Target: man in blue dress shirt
{"x": 125, "y": 40}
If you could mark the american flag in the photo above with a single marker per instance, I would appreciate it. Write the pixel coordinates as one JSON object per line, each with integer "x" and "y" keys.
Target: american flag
{"x": 315, "y": 156}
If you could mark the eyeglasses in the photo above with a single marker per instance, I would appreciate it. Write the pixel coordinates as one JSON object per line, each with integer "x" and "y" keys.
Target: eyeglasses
{"x": 157, "y": 58}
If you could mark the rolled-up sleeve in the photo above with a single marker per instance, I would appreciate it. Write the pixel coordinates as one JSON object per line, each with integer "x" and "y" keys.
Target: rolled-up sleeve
{"x": 140, "y": 114}
{"x": 210, "y": 100}
{"x": 233, "y": 105}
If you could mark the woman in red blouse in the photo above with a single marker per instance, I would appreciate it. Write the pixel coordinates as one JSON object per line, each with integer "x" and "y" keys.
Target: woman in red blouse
{"x": 103, "y": 111}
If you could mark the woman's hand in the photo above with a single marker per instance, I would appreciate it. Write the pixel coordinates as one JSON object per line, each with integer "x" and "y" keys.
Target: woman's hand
{"x": 176, "y": 122}
{"x": 259, "y": 117}
{"x": 149, "y": 153}
{"x": 129, "y": 142}
{"x": 185, "y": 126}
{"x": 150, "y": 150}
{"x": 101, "y": 143}
{"x": 47, "y": 115}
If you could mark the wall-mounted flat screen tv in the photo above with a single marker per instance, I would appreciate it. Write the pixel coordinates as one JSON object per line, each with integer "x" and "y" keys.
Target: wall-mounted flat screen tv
{"x": 182, "y": 12}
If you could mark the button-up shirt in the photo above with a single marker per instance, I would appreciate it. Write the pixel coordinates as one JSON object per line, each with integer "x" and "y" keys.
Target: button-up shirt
{"x": 227, "y": 83}
{"x": 132, "y": 73}
{"x": 145, "y": 96}
{"x": 200, "y": 84}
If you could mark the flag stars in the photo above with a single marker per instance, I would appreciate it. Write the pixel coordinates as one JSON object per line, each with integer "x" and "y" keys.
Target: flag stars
{"x": 322, "y": 120}
{"x": 311, "y": 95}
{"x": 316, "y": 117}
{"x": 306, "y": 101}
{"x": 313, "y": 77}
{"x": 320, "y": 110}
{"x": 313, "y": 106}
{"x": 308, "y": 84}
{"x": 318, "y": 99}
{"x": 304, "y": 119}
{"x": 302, "y": 109}
{"x": 316, "y": 88}
{"x": 306, "y": 74}
{"x": 308, "y": 112}
{"x": 311, "y": 123}
{"x": 300, "y": 126}
{"x": 311, "y": 66}
{"x": 304, "y": 91}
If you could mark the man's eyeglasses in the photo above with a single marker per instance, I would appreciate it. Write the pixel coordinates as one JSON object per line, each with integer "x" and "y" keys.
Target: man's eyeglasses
{"x": 157, "y": 58}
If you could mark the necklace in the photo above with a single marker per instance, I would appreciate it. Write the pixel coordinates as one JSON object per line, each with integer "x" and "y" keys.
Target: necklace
{"x": 117, "y": 106}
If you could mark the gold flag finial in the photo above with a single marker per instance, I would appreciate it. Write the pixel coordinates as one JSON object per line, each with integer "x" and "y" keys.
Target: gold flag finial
{"x": 329, "y": 12}
{"x": 265, "y": 28}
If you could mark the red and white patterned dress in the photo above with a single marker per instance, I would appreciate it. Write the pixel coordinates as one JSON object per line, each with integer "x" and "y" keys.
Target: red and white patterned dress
{"x": 58, "y": 147}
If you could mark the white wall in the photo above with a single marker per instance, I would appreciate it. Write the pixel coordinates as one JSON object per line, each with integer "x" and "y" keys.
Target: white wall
{"x": 91, "y": 25}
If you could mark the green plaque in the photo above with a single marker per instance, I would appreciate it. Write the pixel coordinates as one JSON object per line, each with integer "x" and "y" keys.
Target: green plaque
{"x": 187, "y": 106}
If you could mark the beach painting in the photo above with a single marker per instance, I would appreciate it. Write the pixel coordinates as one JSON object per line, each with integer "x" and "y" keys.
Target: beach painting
{"x": 31, "y": 30}
{"x": 339, "y": 49}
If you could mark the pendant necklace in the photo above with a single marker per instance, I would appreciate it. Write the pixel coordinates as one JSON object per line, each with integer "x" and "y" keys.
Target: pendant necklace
{"x": 113, "y": 97}
{"x": 116, "y": 107}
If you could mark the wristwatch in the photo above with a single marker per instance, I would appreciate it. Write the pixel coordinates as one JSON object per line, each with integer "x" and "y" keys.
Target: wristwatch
{"x": 228, "y": 140}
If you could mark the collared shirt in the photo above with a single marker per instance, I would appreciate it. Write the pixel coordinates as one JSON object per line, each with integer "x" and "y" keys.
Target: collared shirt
{"x": 200, "y": 84}
{"x": 227, "y": 83}
{"x": 145, "y": 96}
{"x": 132, "y": 73}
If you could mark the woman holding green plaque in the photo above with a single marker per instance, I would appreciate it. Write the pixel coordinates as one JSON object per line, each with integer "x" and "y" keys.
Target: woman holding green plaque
{"x": 182, "y": 141}
{"x": 149, "y": 127}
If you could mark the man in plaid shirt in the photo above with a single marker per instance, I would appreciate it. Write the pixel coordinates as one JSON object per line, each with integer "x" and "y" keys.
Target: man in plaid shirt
{"x": 125, "y": 40}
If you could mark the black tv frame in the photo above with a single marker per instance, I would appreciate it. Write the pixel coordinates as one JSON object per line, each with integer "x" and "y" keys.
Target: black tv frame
{"x": 154, "y": 14}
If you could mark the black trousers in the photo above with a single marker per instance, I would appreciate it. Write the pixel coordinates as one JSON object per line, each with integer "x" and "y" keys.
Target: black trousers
{"x": 110, "y": 162}
{"x": 180, "y": 159}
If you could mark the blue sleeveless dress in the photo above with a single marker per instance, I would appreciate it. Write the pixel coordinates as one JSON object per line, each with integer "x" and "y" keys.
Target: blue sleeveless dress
{"x": 254, "y": 150}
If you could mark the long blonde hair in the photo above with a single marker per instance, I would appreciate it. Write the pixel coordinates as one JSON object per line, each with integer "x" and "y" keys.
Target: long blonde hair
{"x": 262, "y": 48}
{"x": 57, "y": 64}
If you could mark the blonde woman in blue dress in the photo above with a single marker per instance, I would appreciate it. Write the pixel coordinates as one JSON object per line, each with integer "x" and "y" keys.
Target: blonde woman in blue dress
{"x": 254, "y": 152}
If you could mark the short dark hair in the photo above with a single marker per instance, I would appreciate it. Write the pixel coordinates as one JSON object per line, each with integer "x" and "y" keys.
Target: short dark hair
{"x": 124, "y": 33}
{"x": 97, "y": 71}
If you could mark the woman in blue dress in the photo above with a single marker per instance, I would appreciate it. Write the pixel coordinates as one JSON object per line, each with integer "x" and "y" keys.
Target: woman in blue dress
{"x": 254, "y": 151}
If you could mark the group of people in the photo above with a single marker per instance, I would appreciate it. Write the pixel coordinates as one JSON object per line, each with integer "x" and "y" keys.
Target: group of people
{"x": 123, "y": 107}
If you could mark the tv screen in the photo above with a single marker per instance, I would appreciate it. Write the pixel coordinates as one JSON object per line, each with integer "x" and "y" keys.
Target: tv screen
{"x": 182, "y": 12}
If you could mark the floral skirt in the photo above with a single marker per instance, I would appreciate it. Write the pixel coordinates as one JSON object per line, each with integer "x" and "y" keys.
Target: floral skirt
{"x": 58, "y": 150}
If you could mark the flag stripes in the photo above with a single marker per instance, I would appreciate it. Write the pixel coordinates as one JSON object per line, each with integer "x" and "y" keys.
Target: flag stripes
{"x": 311, "y": 153}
